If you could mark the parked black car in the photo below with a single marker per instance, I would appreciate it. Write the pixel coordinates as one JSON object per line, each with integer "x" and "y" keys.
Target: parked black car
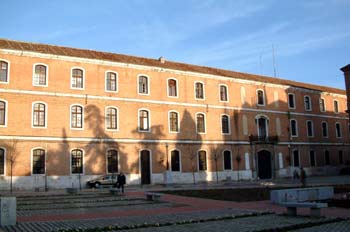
{"x": 109, "y": 179}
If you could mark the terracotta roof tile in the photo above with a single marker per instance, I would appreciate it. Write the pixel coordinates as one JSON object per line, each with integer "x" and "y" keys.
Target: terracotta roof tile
{"x": 90, "y": 54}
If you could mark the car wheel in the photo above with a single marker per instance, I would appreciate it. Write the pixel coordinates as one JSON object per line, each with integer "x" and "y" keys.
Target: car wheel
{"x": 97, "y": 185}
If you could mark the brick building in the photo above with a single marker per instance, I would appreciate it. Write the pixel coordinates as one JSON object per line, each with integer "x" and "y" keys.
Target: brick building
{"x": 68, "y": 115}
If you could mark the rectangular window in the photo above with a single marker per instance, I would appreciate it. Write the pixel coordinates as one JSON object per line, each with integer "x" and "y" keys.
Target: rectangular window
{"x": 144, "y": 120}
{"x": 77, "y": 117}
{"x": 175, "y": 161}
{"x": 261, "y": 97}
{"x": 340, "y": 154}
{"x": 312, "y": 158}
{"x": 38, "y": 161}
{"x": 199, "y": 90}
{"x": 296, "y": 158}
{"x": 202, "y": 161}
{"x": 174, "y": 122}
{"x": 111, "y": 118}
{"x": 293, "y": 128}
{"x": 2, "y": 113}
{"x": 143, "y": 85}
{"x": 310, "y": 129}
{"x": 3, "y": 71}
{"x": 225, "y": 124}
{"x": 307, "y": 103}
{"x": 2, "y": 161}
{"x": 112, "y": 161}
{"x": 77, "y": 161}
{"x": 111, "y": 81}
{"x": 227, "y": 160}
{"x": 324, "y": 129}
{"x": 223, "y": 93}
{"x": 40, "y": 75}
{"x": 172, "y": 90}
{"x": 77, "y": 78}
{"x": 39, "y": 115}
{"x": 336, "y": 107}
{"x": 322, "y": 105}
{"x": 291, "y": 101}
{"x": 326, "y": 158}
{"x": 338, "y": 130}
{"x": 200, "y": 123}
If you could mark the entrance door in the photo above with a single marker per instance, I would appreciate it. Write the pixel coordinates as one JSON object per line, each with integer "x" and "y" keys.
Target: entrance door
{"x": 264, "y": 164}
{"x": 145, "y": 167}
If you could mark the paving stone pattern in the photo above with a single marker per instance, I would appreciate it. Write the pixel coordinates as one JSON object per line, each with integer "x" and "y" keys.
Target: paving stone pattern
{"x": 343, "y": 226}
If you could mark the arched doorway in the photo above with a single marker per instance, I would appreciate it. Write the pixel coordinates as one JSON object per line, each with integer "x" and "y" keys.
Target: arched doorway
{"x": 145, "y": 158}
{"x": 264, "y": 164}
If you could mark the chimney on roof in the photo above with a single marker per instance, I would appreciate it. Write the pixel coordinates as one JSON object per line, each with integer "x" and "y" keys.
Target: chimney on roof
{"x": 346, "y": 71}
{"x": 162, "y": 60}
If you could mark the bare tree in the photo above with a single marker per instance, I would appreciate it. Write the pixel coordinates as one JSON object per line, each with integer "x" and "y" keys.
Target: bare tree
{"x": 11, "y": 157}
{"x": 215, "y": 152}
{"x": 192, "y": 155}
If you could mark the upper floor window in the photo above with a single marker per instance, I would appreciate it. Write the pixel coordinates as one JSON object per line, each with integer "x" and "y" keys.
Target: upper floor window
{"x": 39, "y": 115}
{"x": 223, "y": 93}
{"x": 38, "y": 161}
{"x": 111, "y": 118}
{"x": 77, "y": 79}
{"x": 199, "y": 89}
{"x": 338, "y": 130}
{"x": 2, "y": 161}
{"x": 175, "y": 161}
{"x": 4, "y": 71}
{"x": 262, "y": 124}
{"x": 144, "y": 120}
{"x": 143, "y": 85}
{"x": 172, "y": 88}
{"x": 111, "y": 82}
{"x": 202, "y": 161}
{"x": 293, "y": 128}
{"x": 112, "y": 161}
{"x": 322, "y": 105}
{"x": 336, "y": 106}
{"x": 200, "y": 122}
{"x": 173, "y": 121}
{"x": 40, "y": 75}
{"x": 260, "y": 97}
{"x": 324, "y": 129}
{"x": 307, "y": 103}
{"x": 76, "y": 117}
{"x": 77, "y": 161}
{"x": 225, "y": 124}
{"x": 2, "y": 113}
{"x": 310, "y": 128}
{"x": 291, "y": 100}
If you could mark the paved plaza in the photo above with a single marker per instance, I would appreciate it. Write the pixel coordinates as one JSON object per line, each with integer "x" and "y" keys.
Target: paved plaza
{"x": 98, "y": 210}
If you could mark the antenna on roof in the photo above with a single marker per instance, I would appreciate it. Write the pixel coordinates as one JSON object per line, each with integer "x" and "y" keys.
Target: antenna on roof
{"x": 273, "y": 60}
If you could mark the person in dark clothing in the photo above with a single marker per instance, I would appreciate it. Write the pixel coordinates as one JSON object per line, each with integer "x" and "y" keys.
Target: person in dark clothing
{"x": 302, "y": 177}
{"x": 121, "y": 181}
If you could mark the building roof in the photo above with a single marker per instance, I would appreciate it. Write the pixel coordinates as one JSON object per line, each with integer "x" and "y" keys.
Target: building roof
{"x": 107, "y": 56}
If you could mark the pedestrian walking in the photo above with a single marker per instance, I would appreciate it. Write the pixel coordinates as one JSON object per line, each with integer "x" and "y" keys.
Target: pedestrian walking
{"x": 121, "y": 181}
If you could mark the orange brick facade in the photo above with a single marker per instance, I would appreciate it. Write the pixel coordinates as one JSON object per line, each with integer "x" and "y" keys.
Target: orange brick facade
{"x": 57, "y": 139}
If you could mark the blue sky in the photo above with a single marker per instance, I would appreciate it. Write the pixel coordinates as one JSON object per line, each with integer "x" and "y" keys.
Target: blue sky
{"x": 311, "y": 38}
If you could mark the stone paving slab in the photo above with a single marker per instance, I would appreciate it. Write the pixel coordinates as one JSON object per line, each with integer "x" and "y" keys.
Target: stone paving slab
{"x": 343, "y": 226}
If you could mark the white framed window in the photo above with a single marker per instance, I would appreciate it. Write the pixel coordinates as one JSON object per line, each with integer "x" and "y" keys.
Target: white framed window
{"x": 174, "y": 124}
{"x": 38, "y": 161}
{"x": 111, "y": 81}
{"x": 322, "y": 105}
{"x": 223, "y": 90}
{"x": 293, "y": 128}
{"x": 225, "y": 124}
{"x": 172, "y": 87}
{"x": 2, "y": 161}
{"x": 175, "y": 160}
{"x": 307, "y": 103}
{"x": 291, "y": 100}
{"x": 40, "y": 75}
{"x": 4, "y": 71}
{"x": 338, "y": 132}
{"x": 76, "y": 117}
{"x": 200, "y": 123}
{"x": 260, "y": 97}
{"x": 111, "y": 118}
{"x": 324, "y": 126}
{"x": 112, "y": 157}
{"x": 199, "y": 90}
{"x": 144, "y": 120}
{"x": 77, "y": 78}
{"x": 336, "y": 106}
{"x": 77, "y": 161}
{"x": 3, "y": 113}
{"x": 262, "y": 123}
{"x": 310, "y": 128}
{"x": 39, "y": 115}
{"x": 143, "y": 84}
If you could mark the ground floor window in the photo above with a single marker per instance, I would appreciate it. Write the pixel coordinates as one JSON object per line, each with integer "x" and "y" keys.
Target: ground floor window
{"x": 340, "y": 154}
{"x": 38, "y": 161}
{"x": 227, "y": 160}
{"x": 2, "y": 161}
{"x": 312, "y": 158}
{"x": 202, "y": 161}
{"x": 175, "y": 161}
{"x": 112, "y": 161}
{"x": 326, "y": 158}
{"x": 77, "y": 161}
